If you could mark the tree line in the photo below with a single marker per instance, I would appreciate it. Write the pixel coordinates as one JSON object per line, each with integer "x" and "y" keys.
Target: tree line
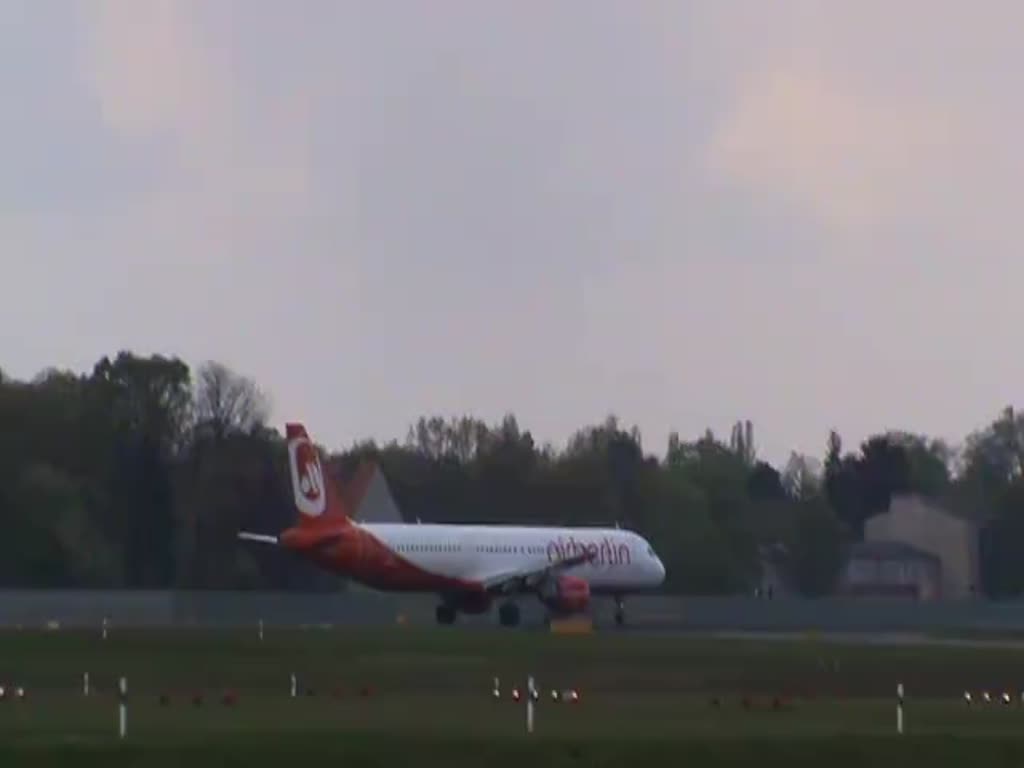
{"x": 139, "y": 473}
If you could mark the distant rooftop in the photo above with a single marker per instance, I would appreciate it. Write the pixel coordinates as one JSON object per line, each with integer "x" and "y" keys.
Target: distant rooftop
{"x": 946, "y": 504}
{"x": 888, "y": 550}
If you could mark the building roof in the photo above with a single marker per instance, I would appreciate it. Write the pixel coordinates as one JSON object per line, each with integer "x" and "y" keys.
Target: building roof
{"x": 368, "y": 496}
{"x": 946, "y": 504}
{"x": 889, "y": 550}
{"x": 354, "y": 491}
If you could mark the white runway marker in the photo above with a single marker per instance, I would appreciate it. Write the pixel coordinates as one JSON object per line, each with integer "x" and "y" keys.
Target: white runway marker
{"x": 123, "y": 707}
{"x": 531, "y": 696}
{"x": 899, "y": 708}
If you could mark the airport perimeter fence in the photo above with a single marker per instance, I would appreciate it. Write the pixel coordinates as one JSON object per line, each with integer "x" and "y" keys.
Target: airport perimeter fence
{"x": 171, "y": 609}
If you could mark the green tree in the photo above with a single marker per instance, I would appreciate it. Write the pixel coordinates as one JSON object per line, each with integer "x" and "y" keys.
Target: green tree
{"x": 859, "y": 486}
{"x": 742, "y": 442}
{"x": 1002, "y": 571}
{"x": 226, "y": 403}
{"x": 722, "y": 477}
{"x": 801, "y": 479}
{"x": 992, "y": 461}
{"x": 815, "y": 548}
{"x": 883, "y": 471}
{"x": 131, "y": 475}
{"x": 80, "y": 555}
{"x": 929, "y": 461}
{"x": 148, "y": 402}
{"x": 765, "y": 483}
{"x": 696, "y": 552}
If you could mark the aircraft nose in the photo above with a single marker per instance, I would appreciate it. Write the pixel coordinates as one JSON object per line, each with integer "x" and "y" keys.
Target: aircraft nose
{"x": 659, "y": 569}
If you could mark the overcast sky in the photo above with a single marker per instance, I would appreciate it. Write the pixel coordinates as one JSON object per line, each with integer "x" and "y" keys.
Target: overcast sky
{"x": 803, "y": 213}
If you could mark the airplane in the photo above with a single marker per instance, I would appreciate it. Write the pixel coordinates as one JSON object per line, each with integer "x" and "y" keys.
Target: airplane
{"x": 469, "y": 567}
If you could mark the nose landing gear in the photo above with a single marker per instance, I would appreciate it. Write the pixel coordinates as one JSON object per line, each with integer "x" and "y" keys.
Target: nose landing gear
{"x": 620, "y": 613}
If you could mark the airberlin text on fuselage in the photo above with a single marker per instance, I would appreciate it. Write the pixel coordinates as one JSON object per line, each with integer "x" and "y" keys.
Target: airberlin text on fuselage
{"x": 605, "y": 553}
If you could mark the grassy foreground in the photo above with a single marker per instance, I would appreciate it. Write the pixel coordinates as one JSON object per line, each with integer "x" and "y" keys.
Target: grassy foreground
{"x": 836, "y": 752}
{"x": 402, "y": 694}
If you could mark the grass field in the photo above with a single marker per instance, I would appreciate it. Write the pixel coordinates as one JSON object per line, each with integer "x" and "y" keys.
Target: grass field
{"x": 403, "y": 694}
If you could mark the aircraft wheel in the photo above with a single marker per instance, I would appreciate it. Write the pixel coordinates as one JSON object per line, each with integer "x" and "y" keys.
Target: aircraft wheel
{"x": 508, "y": 614}
{"x": 445, "y": 614}
{"x": 620, "y": 614}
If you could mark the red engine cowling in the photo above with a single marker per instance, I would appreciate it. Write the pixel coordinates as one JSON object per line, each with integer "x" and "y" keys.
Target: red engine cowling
{"x": 569, "y": 594}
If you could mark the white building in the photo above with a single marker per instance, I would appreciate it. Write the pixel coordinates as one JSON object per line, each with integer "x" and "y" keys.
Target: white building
{"x": 926, "y": 526}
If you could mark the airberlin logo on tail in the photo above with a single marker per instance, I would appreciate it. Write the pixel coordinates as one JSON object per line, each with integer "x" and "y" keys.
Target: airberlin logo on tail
{"x": 307, "y": 478}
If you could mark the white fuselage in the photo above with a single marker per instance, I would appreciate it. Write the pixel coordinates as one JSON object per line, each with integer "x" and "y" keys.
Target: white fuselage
{"x": 621, "y": 562}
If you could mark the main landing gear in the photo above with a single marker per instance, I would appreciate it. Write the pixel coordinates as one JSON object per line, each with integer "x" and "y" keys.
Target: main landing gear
{"x": 620, "y": 613}
{"x": 445, "y": 614}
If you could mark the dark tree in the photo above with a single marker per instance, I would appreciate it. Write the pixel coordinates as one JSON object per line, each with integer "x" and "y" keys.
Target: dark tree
{"x": 139, "y": 474}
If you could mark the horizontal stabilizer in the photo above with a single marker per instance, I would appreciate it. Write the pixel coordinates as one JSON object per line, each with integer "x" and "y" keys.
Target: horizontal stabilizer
{"x": 263, "y": 538}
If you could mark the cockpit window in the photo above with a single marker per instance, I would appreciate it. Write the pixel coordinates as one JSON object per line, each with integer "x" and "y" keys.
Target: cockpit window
{"x": 650, "y": 552}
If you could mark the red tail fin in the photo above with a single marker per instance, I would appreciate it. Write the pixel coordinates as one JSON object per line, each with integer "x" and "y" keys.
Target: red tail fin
{"x": 315, "y": 495}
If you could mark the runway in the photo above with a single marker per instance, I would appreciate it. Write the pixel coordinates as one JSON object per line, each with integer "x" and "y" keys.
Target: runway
{"x": 873, "y": 638}
{"x": 974, "y": 623}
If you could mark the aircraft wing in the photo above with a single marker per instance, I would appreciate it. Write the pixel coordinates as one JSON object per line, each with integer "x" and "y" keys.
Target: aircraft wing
{"x": 262, "y": 538}
{"x": 524, "y": 579}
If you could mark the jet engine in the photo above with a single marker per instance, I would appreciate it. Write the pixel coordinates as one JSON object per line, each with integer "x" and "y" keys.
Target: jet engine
{"x": 567, "y": 594}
